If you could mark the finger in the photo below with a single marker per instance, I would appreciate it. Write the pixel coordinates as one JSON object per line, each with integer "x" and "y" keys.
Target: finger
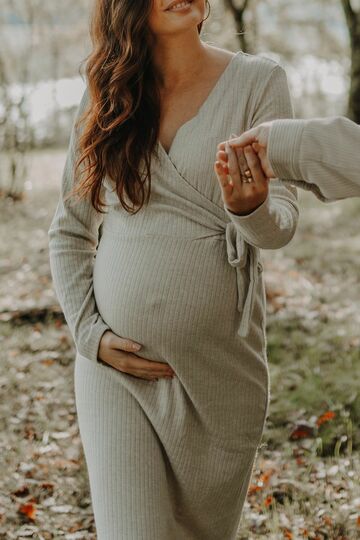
{"x": 147, "y": 374}
{"x": 146, "y": 367}
{"x": 222, "y": 145}
{"x": 152, "y": 365}
{"x": 151, "y": 376}
{"x": 243, "y": 164}
{"x": 246, "y": 138}
{"x": 225, "y": 168}
{"x": 233, "y": 165}
{"x": 124, "y": 367}
{"x": 265, "y": 163}
{"x": 117, "y": 342}
{"x": 223, "y": 178}
{"x": 223, "y": 158}
{"x": 254, "y": 165}
{"x": 262, "y": 155}
{"x": 221, "y": 155}
{"x": 140, "y": 375}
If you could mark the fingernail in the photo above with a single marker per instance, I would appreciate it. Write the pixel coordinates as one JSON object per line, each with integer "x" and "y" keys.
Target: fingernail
{"x": 135, "y": 346}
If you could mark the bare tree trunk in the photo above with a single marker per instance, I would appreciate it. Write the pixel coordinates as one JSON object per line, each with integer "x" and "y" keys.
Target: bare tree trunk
{"x": 352, "y": 14}
{"x": 15, "y": 133}
{"x": 239, "y": 16}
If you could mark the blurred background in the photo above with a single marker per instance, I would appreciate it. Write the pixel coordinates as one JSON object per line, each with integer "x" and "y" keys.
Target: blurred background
{"x": 306, "y": 479}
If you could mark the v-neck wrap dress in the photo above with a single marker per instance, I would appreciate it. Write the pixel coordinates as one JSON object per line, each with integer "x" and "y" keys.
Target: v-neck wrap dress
{"x": 172, "y": 459}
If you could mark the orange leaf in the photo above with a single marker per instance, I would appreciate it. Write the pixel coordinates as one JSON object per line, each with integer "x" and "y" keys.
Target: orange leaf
{"x": 268, "y": 500}
{"x": 329, "y": 415}
{"x": 253, "y": 489}
{"x": 47, "y": 362}
{"x": 29, "y": 510}
{"x": 288, "y": 534}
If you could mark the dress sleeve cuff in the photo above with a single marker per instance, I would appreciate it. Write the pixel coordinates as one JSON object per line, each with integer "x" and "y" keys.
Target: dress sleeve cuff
{"x": 88, "y": 346}
{"x": 256, "y": 226}
{"x": 284, "y": 147}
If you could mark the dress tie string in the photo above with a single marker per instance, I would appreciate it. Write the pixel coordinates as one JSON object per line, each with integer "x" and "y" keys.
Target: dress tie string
{"x": 238, "y": 250}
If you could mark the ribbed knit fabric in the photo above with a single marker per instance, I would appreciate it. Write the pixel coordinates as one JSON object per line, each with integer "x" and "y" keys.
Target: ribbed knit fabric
{"x": 172, "y": 459}
{"x": 317, "y": 154}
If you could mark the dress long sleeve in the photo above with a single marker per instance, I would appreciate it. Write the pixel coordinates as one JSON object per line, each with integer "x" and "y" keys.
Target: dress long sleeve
{"x": 318, "y": 155}
{"x": 73, "y": 239}
{"x": 273, "y": 224}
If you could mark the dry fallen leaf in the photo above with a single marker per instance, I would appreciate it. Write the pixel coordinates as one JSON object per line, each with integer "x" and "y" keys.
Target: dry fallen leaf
{"x": 29, "y": 510}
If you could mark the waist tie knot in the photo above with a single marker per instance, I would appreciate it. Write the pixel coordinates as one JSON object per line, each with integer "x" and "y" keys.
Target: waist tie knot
{"x": 238, "y": 250}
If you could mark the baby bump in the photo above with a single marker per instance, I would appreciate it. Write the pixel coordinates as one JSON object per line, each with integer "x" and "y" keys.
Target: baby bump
{"x": 178, "y": 298}
{"x": 151, "y": 288}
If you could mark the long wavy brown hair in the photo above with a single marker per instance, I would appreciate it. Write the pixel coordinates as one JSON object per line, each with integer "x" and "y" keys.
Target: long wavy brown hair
{"x": 122, "y": 115}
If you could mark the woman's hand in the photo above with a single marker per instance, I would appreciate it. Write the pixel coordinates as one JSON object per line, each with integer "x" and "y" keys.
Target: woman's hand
{"x": 119, "y": 353}
{"x": 248, "y": 186}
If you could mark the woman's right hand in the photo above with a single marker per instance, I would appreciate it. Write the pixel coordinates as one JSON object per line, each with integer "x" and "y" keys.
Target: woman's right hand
{"x": 119, "y": 353}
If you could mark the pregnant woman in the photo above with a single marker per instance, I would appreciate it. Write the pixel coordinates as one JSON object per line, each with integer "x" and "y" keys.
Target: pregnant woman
{"x": 177, "y": 272}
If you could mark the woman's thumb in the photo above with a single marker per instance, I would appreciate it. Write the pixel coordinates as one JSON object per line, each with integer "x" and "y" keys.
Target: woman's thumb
{"x": 124, "y": 344}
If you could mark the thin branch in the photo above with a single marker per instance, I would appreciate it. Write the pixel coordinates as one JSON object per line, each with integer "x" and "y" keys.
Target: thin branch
{"x": 235, "y": 9}
{"x": 348, "y": 10}
{"x": 352, "y": 17}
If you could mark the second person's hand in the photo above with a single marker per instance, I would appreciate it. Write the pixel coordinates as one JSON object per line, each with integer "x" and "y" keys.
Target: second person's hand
{"x": 119, "y": 353}
{"x": 258, "y": 137}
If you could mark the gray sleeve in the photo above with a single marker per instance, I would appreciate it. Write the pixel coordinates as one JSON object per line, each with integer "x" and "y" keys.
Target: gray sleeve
{"x": 273, "y": 224}
{"x": 73, "y": 239}
{"x": 318, "y": 154}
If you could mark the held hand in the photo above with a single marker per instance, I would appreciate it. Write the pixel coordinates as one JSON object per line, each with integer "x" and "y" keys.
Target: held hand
{"x": 118, "y": 352}
{"x": 247, "y": 187}
{"x": 258, "y": 137}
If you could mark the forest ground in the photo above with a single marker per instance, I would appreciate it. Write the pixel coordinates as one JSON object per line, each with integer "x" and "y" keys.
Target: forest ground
{"x": 306, "y": 477}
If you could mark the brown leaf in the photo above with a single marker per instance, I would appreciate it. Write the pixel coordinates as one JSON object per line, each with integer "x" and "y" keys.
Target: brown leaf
{"x": 302, "y": 431}
{"x": 22, "y": 491}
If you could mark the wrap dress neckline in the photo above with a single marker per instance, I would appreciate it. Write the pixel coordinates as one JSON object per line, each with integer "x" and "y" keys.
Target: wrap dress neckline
{"x": 217, "y": 87}
{"x": 238, "y": 250}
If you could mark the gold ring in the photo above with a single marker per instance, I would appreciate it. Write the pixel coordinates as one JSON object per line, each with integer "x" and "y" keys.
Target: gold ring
{"x": 248, "y": 180}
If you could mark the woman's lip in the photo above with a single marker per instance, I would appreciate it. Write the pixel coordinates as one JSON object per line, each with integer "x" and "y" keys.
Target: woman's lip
{"x": 177, "y": 2}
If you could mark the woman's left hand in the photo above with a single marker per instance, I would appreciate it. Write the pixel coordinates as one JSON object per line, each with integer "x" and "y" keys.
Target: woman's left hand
{"x": 240, "y": 196}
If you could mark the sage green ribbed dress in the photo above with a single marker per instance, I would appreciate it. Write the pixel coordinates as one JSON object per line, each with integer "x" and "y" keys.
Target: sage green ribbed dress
{"x": 172, "y": 459}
